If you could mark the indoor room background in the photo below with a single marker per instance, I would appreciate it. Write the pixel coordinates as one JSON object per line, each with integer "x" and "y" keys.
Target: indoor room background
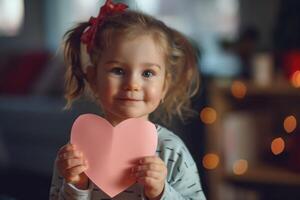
{"x": 245, "y": 137}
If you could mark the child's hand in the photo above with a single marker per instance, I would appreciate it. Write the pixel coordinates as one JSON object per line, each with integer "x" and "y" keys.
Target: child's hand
{"x": 71, "y": 165}
{"x": 151, "y": 172}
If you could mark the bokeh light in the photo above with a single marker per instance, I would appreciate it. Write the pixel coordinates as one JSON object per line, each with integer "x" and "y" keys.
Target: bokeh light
{"x": 277, "y": 146}
{"x": 240, "y": 167}
{"x": 295, "y": 80}
{"x": 208, "y": 115}
{"x": 290, "y": 123}
{"x": 210, "y": 161}
{"x": 238, "y": 89}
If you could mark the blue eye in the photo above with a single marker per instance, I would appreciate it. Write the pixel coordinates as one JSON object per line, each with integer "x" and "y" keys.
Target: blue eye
{"x": 117, "y": 71}
{"x": 148, "y": 73}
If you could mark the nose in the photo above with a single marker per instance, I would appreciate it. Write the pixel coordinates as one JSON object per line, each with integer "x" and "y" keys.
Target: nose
{"x": 132, "y": 83}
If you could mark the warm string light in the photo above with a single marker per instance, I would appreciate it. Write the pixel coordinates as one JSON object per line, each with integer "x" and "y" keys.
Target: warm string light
{"x": 238, "y": 89}
{"x": 208, "y": 115}
{"x": 295, "y": 79}
{"x": 277, "y": 146}
{"x": 210, "y": 161}
{"x": 240, "y": 167}
{"x": 290, "y": 123}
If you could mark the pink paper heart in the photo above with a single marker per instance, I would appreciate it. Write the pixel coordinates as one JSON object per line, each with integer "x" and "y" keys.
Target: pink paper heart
{"x": 112, "y": 151}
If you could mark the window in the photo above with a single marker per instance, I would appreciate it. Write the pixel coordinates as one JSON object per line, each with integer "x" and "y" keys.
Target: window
{"x": 11, "y": 17}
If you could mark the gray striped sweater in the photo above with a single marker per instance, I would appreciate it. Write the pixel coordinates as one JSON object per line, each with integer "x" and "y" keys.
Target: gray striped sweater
{"x": 182, "y": 182}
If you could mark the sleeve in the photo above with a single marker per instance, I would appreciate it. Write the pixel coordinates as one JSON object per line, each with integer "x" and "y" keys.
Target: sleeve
{"x": 60, "y": 190}
{"x": 183, "y": 181}
{"x": 186, "y": 187}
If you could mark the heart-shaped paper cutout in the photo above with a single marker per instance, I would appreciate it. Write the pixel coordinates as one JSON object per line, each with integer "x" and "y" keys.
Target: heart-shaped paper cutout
{"x": 112, "y": 151}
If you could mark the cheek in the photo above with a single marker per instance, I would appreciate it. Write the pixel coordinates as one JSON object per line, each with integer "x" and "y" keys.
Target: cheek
{"x": 154, "y": 94}
{"x": 106, "y": 89}
{"x": 155, "y": 90}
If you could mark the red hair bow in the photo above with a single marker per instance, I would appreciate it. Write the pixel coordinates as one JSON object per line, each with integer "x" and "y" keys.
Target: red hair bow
{"x": 108, "y": 8}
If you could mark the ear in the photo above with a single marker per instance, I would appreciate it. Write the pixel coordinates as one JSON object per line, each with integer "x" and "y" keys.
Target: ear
{"x": 91, "y": 76}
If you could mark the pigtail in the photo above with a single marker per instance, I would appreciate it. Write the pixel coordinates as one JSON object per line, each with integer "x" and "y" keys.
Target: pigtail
{"x": 74, "y": 76}
{"x": 182, "y": 77}
{"x": 189, "y": 72}
{"x": 183, "y": 67}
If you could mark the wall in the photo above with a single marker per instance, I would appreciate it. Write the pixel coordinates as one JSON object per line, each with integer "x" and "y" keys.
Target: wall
{"x": 262, "y": 15}
{"x": 31, "y": 35}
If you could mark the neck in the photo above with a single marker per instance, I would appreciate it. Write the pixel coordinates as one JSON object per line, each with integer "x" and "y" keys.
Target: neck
{"x": 114, "y": 121}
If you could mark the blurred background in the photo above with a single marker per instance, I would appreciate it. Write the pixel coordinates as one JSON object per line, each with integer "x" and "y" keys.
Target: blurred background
{"x": 245, "y": 139}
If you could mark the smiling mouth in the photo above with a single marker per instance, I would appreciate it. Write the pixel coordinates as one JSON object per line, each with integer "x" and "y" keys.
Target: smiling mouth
{"x": 128, "y": 99}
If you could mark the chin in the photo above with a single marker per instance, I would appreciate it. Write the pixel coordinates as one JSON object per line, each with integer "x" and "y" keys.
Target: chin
{"x": 127, "y": 115}
{"x": 133, "y": 116}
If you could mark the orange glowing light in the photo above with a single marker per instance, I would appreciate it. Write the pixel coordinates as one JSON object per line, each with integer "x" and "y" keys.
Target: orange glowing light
{"x": 277, "y": 146}
{"x": 208, "y": 115}
{"x": 290, "y": 124}
{"x": 210, "y": 161}
{"x": 238, "y": 89}
{"x": 240, "y": 167}
{"x": 295, "y": 80}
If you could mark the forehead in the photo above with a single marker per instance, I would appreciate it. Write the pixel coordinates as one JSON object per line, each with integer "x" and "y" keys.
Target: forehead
{"x": 143, "y": 48}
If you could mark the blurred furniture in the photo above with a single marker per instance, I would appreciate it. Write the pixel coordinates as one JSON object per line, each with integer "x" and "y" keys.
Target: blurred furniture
{"x": 34, "y": 72}
{"x": 33, "y": 128}
{"x": 244, "y": 129}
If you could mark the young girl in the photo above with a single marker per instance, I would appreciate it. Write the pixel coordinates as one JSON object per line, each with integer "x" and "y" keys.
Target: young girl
{"x": 134, "y": 66}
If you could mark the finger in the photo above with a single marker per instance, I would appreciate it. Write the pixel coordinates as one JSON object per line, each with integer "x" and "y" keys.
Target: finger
{"x": 74, "y": 171}
{"x": 150, "y": 166}
{"x": 67, "y": 147}
{"x": 69, "y": 163}
{"x": 70, "y": 154}
{"x": 72, "y": 179}
{"x": 148, "y": 181}
{"x": 151, "y": 159}
{"x": 150, "y": 174}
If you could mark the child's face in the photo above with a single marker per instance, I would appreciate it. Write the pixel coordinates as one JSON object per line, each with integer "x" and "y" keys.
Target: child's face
{"x": 130, "y": 79}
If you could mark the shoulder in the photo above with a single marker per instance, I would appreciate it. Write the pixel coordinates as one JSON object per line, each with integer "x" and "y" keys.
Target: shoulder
{"x": 166, "y": 136}
{"x": 171, "y": 146}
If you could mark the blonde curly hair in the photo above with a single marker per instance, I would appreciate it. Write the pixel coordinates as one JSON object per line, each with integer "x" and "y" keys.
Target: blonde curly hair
{"x": 181, "y": 60}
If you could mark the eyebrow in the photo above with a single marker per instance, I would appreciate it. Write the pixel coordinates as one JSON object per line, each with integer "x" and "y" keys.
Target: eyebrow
{"x": 152, "y": 64}
{"x": 148, "y": 64}
{"x": 112, "y": 62}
